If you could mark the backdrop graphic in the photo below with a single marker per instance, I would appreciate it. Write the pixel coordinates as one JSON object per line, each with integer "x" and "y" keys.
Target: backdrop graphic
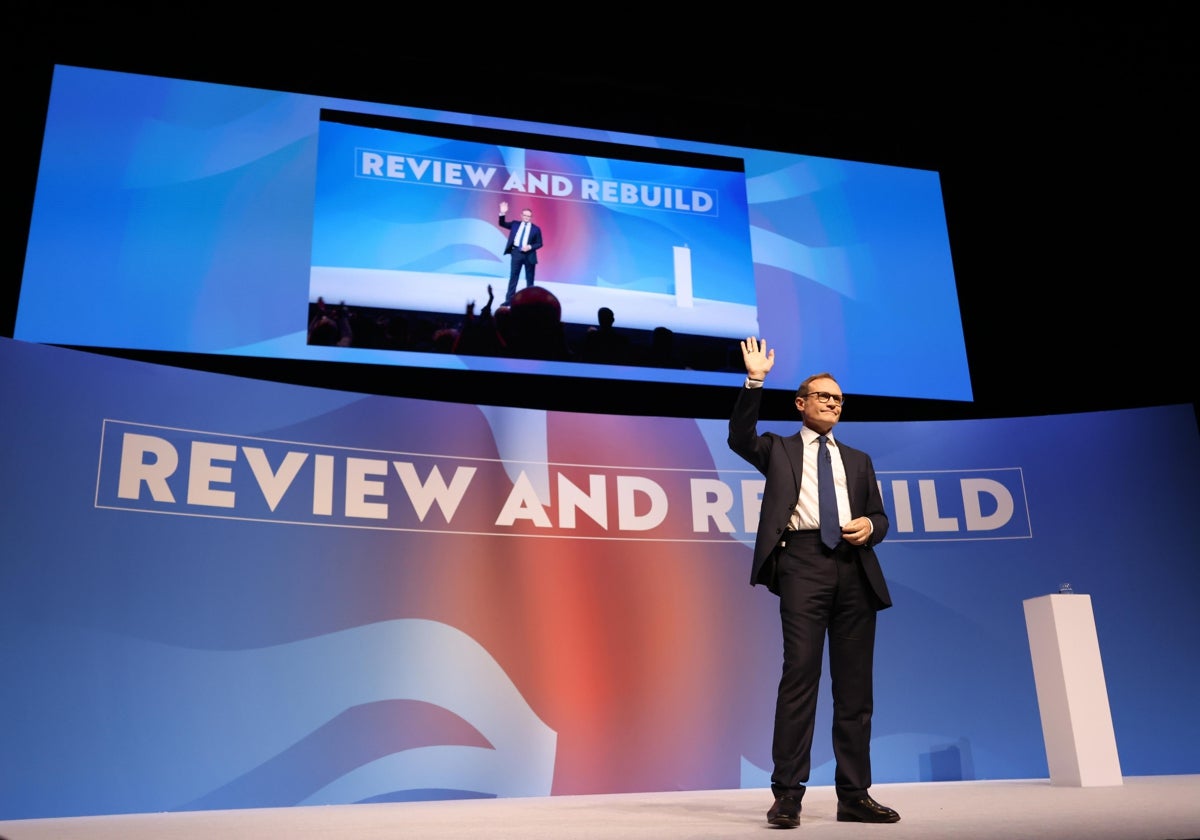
{"x": 191, "y": 208}
{"x": 224, "y": 593}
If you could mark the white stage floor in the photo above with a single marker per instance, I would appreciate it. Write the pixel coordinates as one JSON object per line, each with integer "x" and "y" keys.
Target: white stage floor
{"x": 1143, "y": 808}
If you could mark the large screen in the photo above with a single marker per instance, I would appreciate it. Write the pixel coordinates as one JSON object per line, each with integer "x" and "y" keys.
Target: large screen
{"x": 408, "y": 221}
{"x": 180, "y": 216}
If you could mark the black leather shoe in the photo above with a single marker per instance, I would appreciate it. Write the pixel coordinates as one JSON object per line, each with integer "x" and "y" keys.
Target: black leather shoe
{"x": 785, "y": 813}
{"x": 866, "y": 810}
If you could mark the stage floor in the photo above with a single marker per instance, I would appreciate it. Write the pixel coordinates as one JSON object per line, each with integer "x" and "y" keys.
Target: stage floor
{"x": 1143, "y": 808}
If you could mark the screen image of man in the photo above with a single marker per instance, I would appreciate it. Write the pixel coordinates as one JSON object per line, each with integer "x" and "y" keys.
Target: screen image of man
{"x": 524, "y": 240}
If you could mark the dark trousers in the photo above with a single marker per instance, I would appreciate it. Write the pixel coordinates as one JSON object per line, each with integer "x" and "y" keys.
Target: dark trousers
{"x": 824, "y": 593}
{"x": 519, "y": 259}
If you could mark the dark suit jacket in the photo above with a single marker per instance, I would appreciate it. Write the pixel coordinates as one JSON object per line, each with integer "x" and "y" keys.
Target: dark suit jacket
{"x": 535, "y": 238}
{"x": 781, "y": 460}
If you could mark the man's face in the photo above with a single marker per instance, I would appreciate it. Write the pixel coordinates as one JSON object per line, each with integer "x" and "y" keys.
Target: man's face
{"x": 821, "y": 416}
{"x": 526, "y": 216}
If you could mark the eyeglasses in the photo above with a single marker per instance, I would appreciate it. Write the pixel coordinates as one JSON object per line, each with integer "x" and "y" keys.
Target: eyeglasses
{"x": 823, "y": 397}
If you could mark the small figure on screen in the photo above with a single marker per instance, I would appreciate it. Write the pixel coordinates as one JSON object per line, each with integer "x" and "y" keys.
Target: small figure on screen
{"x": 821, "y": 517}
{"x": 524, "y": 240}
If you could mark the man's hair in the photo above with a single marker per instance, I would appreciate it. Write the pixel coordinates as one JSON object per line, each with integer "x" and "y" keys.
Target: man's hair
{"x": 803, "y": 389}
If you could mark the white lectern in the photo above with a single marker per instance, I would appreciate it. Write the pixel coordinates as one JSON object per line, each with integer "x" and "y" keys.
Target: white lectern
{"x": 683, "y": 277}
{"x": 1081, "y": 747}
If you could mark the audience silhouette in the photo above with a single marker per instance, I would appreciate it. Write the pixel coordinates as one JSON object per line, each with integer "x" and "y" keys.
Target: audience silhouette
{"x": 603, "y": 344}
{"x": 529, "y": 327}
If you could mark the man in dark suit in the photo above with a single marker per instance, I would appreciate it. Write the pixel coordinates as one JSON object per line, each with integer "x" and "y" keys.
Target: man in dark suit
{"x": 524, "y": 240}
{"x": 828, "y": 584}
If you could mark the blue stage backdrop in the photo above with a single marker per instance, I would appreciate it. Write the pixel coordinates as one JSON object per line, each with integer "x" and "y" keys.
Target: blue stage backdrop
{"x": 224, "y": 593}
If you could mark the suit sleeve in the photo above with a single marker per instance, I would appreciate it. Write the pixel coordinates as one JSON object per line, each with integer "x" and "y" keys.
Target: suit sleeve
{"x": 744, "y": 438}
{"x": 872, "y": 503}
{"x": 873, "y": 508}
{"x": 504, "y": 223}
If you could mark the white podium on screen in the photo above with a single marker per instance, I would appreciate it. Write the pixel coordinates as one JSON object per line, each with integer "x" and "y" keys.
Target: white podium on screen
{"x": 683, "y": 277}
{"x": 1081, "y": 747}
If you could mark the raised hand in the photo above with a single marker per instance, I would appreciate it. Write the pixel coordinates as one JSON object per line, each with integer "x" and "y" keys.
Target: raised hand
{"x": 758, "y": 359}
